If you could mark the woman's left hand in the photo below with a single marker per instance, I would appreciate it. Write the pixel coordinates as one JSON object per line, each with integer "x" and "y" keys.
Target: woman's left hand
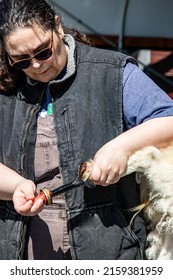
{"x": 24, "y": 199}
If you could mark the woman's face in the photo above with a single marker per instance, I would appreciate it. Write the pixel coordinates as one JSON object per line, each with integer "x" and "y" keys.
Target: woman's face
{"x": 26, "y": 42}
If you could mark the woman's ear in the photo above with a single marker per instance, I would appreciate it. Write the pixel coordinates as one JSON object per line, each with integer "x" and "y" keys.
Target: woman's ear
{"x": 59, "y": 27}
{"x": 57, "y": 20}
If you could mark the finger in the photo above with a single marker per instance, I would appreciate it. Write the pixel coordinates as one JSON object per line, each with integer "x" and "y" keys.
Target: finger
{"x": 37, "y": 207}
{"x": 109, "y": 181}
{"x": 38, "y": 203}
{"x": 30, "y": 196}
{"x": 95, "y": 174}
{"x": 112, "y": 180}
{"x": 24, "y": 208}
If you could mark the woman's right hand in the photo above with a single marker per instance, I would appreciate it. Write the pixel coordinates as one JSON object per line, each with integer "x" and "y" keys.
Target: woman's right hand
{"x": 109, "y": 164}
{"x": 24, "y": 196}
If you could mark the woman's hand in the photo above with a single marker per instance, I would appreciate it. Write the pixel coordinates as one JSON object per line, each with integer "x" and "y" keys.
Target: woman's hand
{"x": 110, "y": 161}
{"x": 109, "y": 164}
{"x": 23, "y": 198}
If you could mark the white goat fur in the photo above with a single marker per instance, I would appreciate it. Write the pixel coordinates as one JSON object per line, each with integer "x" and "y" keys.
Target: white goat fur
{"x": 157, "y": 197}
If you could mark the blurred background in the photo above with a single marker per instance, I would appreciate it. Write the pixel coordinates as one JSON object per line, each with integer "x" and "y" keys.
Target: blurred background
{"x": 141, "y": 28}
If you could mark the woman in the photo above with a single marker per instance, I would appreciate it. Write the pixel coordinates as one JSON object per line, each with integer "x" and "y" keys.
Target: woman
{"x": 63, "y": 102}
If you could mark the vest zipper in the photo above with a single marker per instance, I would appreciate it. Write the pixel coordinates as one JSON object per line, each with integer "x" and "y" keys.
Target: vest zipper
{"x": 21, "y": 238}
{"x": 24, "y": 172}
{"x": 26, "y": 134}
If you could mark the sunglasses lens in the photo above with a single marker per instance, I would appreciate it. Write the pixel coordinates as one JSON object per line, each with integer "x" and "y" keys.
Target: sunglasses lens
{"x": 45, "y": 54}
{"x": 23, "y": 64}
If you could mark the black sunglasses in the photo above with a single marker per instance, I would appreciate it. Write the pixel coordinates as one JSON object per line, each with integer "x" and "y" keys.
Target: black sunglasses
{"x": 41, "y": 55}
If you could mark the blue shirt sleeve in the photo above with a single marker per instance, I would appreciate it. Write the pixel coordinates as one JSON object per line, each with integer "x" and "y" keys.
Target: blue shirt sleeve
{"x": 142, "y": 98}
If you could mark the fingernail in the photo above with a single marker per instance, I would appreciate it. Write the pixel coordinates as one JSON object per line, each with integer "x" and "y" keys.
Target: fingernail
{"x": 39, "y": 202}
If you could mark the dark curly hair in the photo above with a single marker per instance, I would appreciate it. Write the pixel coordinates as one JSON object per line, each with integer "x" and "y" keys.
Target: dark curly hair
{"x": 24, "y": 13}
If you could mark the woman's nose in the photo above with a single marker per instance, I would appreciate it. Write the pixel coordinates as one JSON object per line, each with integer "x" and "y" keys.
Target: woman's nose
{"x": 36, "y": 63}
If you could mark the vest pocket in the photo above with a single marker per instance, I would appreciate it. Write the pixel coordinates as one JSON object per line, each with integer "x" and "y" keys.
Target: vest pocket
{"x": 101, "y": 232}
